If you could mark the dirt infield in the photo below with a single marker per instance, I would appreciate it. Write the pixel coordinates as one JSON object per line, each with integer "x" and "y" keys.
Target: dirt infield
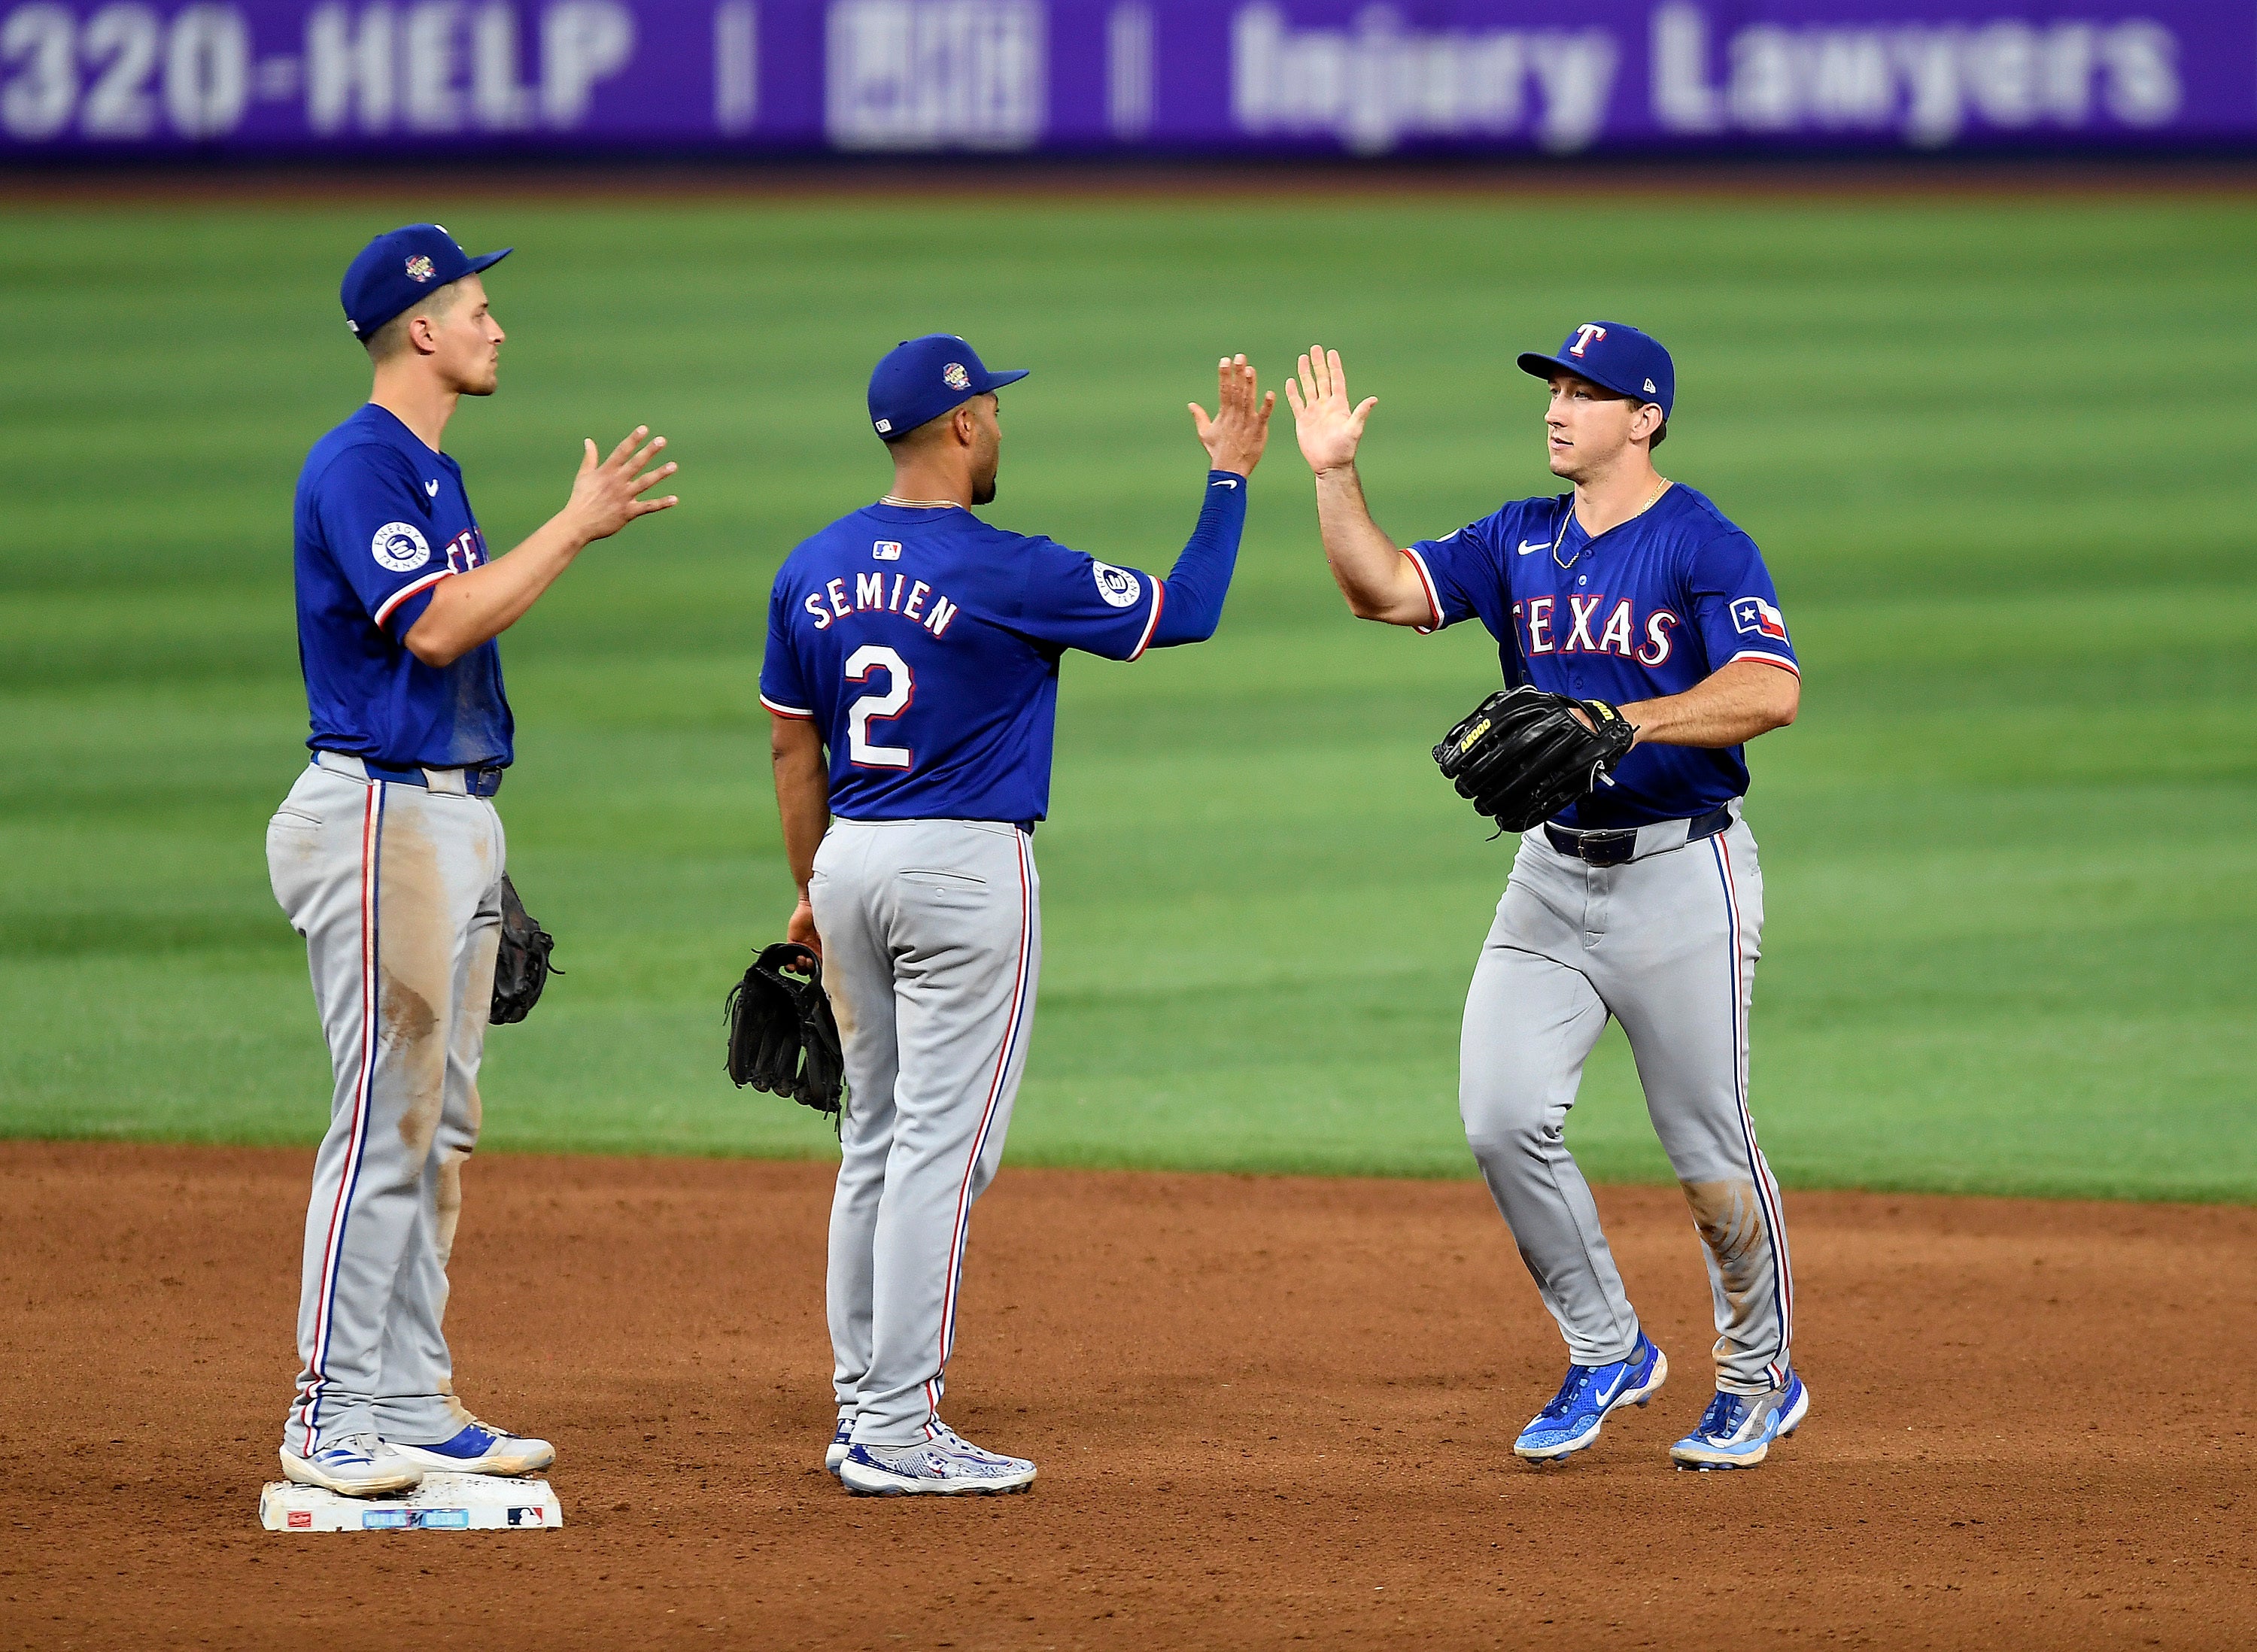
{"x": 1269, "y": 1412}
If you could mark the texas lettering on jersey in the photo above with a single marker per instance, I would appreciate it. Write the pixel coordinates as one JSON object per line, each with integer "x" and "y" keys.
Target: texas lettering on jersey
{"x": 1623, "y": 634}
{"x": 465, "y": 551}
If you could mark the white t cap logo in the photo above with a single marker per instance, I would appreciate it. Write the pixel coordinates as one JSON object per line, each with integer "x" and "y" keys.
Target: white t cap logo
{"x": 1584, "y": 334}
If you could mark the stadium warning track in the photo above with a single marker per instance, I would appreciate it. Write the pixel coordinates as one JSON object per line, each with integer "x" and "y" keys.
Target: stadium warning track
{"x": 1269, "y": 1412}
{"x": 611, "y": 181}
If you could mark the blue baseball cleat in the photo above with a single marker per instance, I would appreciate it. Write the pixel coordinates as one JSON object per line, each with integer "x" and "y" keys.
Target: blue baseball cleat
{"x": 1738, "y": 1429}
{"x": 1571, "y": 1421}
{"x": 478, "y": 1449}
{"x": 835, "y": 1453}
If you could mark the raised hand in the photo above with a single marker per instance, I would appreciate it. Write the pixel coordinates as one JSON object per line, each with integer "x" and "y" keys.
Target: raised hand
{"x": 606, "y": 495}
{"x": 1329, "y": 428}
{"x": 1235, "y": 436}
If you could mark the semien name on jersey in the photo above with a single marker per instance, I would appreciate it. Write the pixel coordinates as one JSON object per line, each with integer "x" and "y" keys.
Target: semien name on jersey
{"x": 874, "y": 593}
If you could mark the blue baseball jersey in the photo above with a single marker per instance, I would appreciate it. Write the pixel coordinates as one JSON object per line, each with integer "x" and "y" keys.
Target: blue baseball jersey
{"x": 1647, "y": 609}
{"x": 380, "y": 519}
{"x": 925, "y": 644}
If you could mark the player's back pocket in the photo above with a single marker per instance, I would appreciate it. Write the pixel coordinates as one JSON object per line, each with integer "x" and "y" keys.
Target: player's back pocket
{"x": 941, "y": 881}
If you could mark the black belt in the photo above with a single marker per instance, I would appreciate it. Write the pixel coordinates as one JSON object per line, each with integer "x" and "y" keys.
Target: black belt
{"x": 477, "y": 782}
{"x": 1614, "y": 847}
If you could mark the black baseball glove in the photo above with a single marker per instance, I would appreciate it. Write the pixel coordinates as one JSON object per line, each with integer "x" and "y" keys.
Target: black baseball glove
{"x": 521, "y": 966}
{"x": 1524, "y": 755}
{"x": 783, "y": 1037}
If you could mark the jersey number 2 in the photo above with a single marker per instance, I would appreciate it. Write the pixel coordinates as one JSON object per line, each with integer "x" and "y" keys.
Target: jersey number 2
{"x": 878, "y": 708}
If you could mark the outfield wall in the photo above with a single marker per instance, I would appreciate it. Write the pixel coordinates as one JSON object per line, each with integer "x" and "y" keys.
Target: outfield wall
{"x": 1243, "y": 78}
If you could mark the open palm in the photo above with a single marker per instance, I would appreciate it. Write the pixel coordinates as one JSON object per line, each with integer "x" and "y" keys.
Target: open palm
{"x": 1328, "y": 427}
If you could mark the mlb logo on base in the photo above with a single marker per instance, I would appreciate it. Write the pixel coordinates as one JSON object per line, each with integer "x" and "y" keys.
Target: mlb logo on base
{"x": 1754, "y": 615}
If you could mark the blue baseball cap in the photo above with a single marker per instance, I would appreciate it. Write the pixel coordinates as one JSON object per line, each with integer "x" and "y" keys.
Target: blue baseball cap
{"x": 394, "y": 272}
{"x": 1620, "y": 357}
{"x": 922, "y": 378}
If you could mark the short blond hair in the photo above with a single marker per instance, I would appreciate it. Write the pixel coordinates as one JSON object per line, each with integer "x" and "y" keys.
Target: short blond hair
{"x": 391, "y": 338}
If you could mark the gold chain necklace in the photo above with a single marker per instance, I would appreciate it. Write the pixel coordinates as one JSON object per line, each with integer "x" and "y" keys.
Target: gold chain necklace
{"x": 1570, "y": 516}
{"x": 921, "y": 505}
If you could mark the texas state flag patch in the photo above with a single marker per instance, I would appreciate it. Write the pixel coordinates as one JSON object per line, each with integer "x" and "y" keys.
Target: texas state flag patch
{"x": 1757, "y": 618}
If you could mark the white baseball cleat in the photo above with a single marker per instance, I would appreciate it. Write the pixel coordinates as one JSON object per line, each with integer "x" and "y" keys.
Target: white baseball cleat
{"x": 358, "y": 1466}
{"x": 835, "y": 1453}
{"x": 946, "y": 1465}
{"x": 481, "y": 1449}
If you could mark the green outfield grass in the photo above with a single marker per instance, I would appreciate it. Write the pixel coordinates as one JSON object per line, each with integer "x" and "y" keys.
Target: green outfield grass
{"x": 1999, "y": 456}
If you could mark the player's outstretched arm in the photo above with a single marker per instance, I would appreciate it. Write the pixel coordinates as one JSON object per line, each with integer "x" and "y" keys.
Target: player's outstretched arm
{"x": 1372, "y": 573}
{"x": 471, "y": 608}
{"x": 1191, "y": 599}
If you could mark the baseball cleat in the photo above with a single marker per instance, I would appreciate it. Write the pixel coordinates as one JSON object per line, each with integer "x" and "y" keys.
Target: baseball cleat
{"x": 1571, "y": 1422}
{"x": 358, "y": 1466}
{"x": 946, "y": 1465}
{"x": 1737, "y": 1429}
{"x": 480, "y": 1450}
{"x": 835, "y": 1453}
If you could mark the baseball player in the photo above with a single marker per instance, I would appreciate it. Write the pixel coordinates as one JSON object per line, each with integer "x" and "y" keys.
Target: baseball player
{"x": 387, "y": 855}
{"x": 918, "y": 648}
{"x": 1644, "y": 901}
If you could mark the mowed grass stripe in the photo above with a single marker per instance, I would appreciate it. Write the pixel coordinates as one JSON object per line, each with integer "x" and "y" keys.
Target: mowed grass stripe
{"x": 2006, "y": 851}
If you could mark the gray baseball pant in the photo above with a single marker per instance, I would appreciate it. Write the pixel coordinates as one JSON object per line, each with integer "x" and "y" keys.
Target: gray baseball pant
{"x": 397, "y": 889}
{"x": 1667, "y": 943}
{"x": 931, "y": 945}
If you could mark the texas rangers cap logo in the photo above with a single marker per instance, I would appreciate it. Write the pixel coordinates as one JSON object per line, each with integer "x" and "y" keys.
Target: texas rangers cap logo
{"x": 955, "y": 377}
{"x": 419, "y": 268}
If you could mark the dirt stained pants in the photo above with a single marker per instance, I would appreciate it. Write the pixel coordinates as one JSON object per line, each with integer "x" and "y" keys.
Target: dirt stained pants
{"x": 931, "y": 945}
{"x": 1666, "y": 944}
{"x": 397, "y": 889}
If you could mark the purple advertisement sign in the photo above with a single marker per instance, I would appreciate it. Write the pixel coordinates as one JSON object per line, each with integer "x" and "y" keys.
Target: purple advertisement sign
{"x": 1246, "y": 77}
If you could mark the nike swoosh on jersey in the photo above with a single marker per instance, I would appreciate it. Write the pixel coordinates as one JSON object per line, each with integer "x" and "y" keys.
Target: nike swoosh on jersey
{"x": 1527, "y": 546}
{"x": 1224, "y": 482}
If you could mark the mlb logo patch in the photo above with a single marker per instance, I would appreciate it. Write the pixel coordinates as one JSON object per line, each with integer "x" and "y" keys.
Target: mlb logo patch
{"x": 955, "y": 377}
{"x": 1757, "y": 618}
{"x": 886, "y": 550}
{"x": 419, "y": 268}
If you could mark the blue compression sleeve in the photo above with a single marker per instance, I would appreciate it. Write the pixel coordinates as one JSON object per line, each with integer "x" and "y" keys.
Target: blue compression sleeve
{"x": 1200, "y": 578}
